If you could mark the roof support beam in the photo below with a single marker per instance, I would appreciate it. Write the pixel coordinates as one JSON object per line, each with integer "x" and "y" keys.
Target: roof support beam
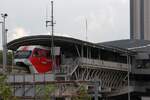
{"x": 77, "y": 50}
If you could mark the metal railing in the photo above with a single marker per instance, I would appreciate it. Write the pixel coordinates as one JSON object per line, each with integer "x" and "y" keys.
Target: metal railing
{"x": 33, "y": 86}
{"x": 69, "y": 65}
{"x": 103, "y": 64}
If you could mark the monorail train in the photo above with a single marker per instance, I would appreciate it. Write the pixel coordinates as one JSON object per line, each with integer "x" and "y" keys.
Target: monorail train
{"x": 36, "y": 58}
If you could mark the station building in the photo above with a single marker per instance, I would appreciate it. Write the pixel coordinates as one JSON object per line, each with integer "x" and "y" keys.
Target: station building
{"x": 120, "y": 67}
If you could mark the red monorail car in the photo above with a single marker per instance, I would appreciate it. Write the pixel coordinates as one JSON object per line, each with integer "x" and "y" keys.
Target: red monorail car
{"x": 36, "y": 58}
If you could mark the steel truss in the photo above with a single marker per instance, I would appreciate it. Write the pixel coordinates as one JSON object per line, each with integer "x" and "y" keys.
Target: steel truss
{"x": 110, "y": 79}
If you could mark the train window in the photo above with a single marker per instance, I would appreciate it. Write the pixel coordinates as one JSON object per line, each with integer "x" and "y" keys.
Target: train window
{"x": 36, "y": 53}
{"x": 48, "y": 54}
{"x": 22, "y": 54}
{"x": 41, "y": 53}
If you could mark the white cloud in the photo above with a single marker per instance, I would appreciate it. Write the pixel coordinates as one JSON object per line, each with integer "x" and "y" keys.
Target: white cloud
{"x": 19, "y": 32}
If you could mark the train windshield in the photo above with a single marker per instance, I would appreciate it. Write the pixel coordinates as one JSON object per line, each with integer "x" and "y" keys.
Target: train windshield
{"x": 22, "y": 54}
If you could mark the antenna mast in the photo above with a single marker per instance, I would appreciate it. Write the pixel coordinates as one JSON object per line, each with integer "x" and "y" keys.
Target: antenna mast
{"x": 52, "y": 44}
{"x": 52, "y": 37}
{"x": 52, "y": 21}
{"x": 86, "y": 27}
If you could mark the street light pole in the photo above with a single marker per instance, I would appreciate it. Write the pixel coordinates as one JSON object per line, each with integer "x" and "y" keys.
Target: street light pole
{"x": 128, "y": 64}
{"x": 2, "y": 31}
{"x": 52, "y": 31}
{"x": 4, "y": 41}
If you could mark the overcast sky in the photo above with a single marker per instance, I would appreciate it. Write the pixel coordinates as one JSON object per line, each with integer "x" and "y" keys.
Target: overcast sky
{"x": 107, "y": 19}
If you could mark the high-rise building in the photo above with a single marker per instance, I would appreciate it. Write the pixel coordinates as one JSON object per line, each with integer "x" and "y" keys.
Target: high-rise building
{"x": 140, "y": 19}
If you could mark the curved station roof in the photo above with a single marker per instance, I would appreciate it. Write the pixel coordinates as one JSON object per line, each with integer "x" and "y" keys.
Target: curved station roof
{"x": 127, "y": 43}
{"x": 130, "y": 44}
{"x": 45, "y": 40}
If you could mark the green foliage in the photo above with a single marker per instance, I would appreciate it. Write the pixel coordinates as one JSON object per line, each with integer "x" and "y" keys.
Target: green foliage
{"x": 5, "y": 89}
{"x": 82, "y": 94}
{"x": 1, "y": 57}
{"x": 47, "y": 90}
{"x": 9, "y": 58}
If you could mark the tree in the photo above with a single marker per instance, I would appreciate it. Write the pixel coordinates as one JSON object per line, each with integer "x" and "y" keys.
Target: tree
{"x": 9, "y": 57}
{"x": 5, "y": 89}
{"x": 1, "y": 57}
{"x": 82, "y": 94}
{"x": 46, "y": 91}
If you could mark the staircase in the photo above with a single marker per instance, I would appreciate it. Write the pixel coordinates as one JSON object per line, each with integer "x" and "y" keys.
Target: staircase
{"x": 69, "y": 66}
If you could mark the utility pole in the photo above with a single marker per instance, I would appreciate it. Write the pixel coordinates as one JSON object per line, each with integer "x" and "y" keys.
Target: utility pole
{"x": 52, "y": 40}
{"x": 2, "y": 38}
{"x": 52, "y": 36}
{"x": 52, "y": 31}
{"x": 4, "y": 41}
{"x": 128, "y": 64}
